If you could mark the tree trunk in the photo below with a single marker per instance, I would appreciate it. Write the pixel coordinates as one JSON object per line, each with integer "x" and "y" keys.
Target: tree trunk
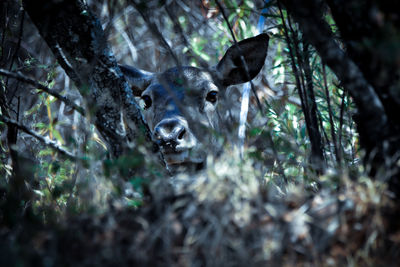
{"x": 78, "y": 42}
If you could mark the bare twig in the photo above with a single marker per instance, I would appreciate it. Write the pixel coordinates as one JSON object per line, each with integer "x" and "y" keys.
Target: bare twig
{"x": 21, "y": 31}
{"x": 40, "y": 86}
{"x": 301, "y": 65}
{"x": 39, "y": 137}
{"x": 328, "y": 100}
{"x": 155, "y": 31}
{"x": 311, "y": 104}
{"x": 185, "y": 40}
{"x": 12, "y": 137}
{"x": 340, "y": 130}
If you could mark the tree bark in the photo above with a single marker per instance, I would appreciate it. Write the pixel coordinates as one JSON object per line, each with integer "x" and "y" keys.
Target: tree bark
{"x": 77, "y": 40}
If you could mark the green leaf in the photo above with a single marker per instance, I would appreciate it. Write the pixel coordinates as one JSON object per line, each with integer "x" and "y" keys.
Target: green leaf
{"x": 58, "y": 136}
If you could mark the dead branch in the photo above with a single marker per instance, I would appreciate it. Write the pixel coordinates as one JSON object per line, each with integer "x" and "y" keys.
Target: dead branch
{"x": 44, "y": 140}
{"x": 20, "y": 77}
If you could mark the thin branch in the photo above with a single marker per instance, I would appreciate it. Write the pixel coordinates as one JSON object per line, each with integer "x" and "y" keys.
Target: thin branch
{"x": 42, "y": 139}
{"x": 18, "y": 76}
{"x": 243, "y": 61}
{"x": 340, "y": 130}
{"x": 184, "y": 38}
{"x": 21, "y": 31}
{"x": 320, "y": 122}
{"x": 328, "y": 100}
{"x": 293, "y": 63}
{"x": 312, "y": 104}
{"x": 295, "y": 48}
{"x": 155, "y": 31}
{"x": 12, "y": 137}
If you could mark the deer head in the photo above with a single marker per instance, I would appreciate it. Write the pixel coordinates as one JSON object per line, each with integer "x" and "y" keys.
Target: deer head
{"x": 180, "y": 104}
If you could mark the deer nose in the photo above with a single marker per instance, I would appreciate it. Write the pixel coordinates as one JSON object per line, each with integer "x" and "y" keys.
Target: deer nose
{"x": 170, "y": 133}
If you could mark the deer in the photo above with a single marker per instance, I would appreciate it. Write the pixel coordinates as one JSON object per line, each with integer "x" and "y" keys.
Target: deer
{"x": 181, "y": 104}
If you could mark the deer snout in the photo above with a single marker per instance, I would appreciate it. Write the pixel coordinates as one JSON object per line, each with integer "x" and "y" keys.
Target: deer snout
{"x": 172, "y": 135}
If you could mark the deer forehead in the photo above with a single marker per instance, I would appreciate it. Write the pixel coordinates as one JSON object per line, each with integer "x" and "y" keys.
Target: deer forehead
{"x": 181, "y": 82}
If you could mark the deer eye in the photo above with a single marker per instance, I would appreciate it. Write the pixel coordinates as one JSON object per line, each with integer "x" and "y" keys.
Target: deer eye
{"x": 147, "y": 101}
{"x": 212, "y": 96}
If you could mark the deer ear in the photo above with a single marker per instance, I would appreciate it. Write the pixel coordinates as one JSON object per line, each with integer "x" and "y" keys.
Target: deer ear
{"x": 139, "y": 80}
{"x": 254, "y": 50}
